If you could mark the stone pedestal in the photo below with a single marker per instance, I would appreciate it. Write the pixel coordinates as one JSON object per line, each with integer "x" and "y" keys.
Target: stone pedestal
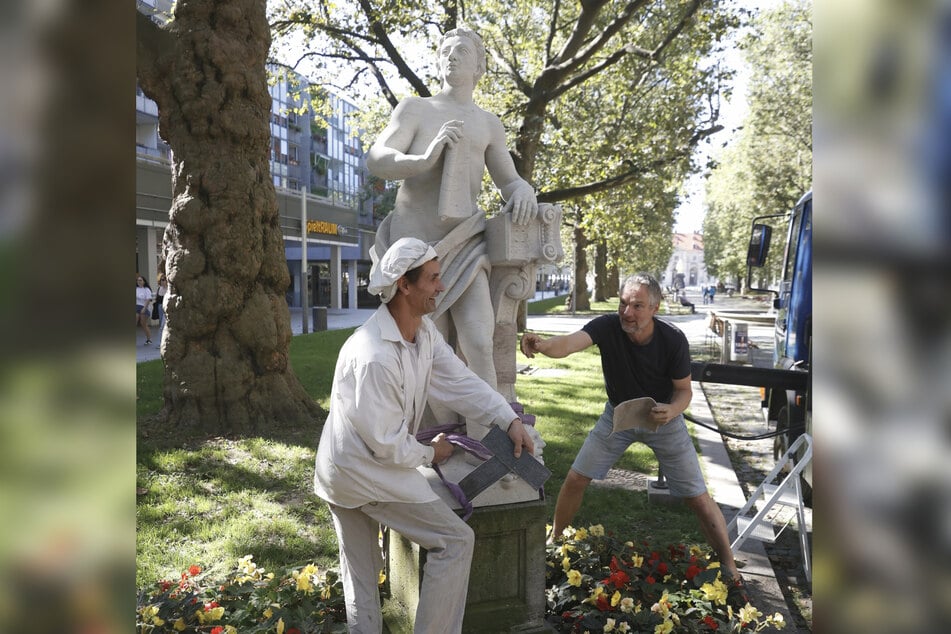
{"x": 515, "y": 251}
{"x": 506, "y": 581}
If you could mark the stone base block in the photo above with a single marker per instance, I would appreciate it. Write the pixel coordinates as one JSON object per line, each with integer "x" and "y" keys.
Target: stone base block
{"x": 658, "y": 495}
{"x": 506, "y": 581}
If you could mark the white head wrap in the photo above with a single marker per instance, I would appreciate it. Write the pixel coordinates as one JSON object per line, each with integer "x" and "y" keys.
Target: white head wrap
{"x": 403, "y": 255}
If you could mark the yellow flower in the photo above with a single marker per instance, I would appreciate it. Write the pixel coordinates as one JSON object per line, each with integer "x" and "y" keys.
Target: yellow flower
{"x": 215, "y": 614}
{"x": 627, "y": 605}
{"x": 609, "y": 625}
{"x": 268, "y": 613}
{"x": 615, "y": 599}
{"x": 280, "y": 626}
{"x": 748, "y": 614}
{"x": 158, "y": 621}
{"x": 776, "y": 621}
{"x": 574, "y": 578}
{"x": 696, "y": 551}
{"x": 713, "y": 564}
{"x": 565, "y": 548}
{"x": 231, "y": 629}
{"x": 623, "y": 627}
{"x": 597, "y": 530}
{"x": 200, "y": 615}
{"x": 566, "y": 564}
{"x": 664, "y": 628}
{"x": 636, "y": 560}
{"x": 581, "y": 534}
{"x": 629, "y": 544}
{"x": 180, "y": 625}
{"x": 326, "y": 593}
{"x": 715, "y": 591}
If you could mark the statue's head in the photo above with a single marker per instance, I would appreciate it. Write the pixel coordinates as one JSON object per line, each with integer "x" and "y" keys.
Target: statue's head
{"x": 476, "y": 40}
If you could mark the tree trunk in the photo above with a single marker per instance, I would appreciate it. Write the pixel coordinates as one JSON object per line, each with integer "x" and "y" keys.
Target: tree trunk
{"x": 613, "y": 280}
{"x": 225, "y": 348}
{"x": 601, "y": 281}
{"x": 580, "y": 294}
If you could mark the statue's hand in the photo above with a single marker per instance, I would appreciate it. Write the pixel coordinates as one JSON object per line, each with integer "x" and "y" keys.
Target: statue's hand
{"x": 523, "y": 205}
{"x": 449, "y": 134}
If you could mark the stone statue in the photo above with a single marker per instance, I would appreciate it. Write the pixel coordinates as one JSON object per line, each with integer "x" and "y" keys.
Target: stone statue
{"x": 439, "y": 147}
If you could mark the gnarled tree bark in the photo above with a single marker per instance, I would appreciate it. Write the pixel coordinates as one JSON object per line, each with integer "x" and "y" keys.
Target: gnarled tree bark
{"x": 227, "y": 368}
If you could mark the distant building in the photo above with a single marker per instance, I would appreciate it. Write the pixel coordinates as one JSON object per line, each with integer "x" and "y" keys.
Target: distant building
{"x": 686, "y": 267}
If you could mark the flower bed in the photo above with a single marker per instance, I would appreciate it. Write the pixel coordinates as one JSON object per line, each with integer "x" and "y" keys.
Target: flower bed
{"x": 594, "y": 583}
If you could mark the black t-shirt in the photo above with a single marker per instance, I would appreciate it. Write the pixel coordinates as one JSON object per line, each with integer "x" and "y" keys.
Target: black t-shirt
{"x": 633, "y": 371}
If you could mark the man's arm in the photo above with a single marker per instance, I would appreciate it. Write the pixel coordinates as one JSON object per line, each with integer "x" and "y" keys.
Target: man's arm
{"x": 555, "y": 347}
{"x": 679, "y": 402}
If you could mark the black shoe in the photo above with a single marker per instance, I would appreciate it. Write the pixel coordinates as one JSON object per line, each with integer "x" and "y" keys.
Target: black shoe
{"x": 148, "y": 342}
{"x": 736, "y": 595}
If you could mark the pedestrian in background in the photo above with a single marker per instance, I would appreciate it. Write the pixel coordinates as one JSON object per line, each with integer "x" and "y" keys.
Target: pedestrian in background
{"x": 143, "y": 304}
{"x": 160, "y": 292}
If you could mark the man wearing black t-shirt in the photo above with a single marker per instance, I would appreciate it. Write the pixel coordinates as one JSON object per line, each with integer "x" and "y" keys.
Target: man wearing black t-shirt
{"x": 640, "y": 356}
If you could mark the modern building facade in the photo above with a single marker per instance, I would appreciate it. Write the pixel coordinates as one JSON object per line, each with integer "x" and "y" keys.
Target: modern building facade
{"x": 319, "y": 174}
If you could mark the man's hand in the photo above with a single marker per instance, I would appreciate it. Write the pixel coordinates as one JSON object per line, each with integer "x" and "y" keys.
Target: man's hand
{"x": 529, "y": 344}
{"x": 443, "y": 449}
{"x": 520, "y": 437}
{"x": 661, "y": 413}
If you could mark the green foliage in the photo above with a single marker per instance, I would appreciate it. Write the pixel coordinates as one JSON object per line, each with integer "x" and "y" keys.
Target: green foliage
{"x": 770, "y": 166}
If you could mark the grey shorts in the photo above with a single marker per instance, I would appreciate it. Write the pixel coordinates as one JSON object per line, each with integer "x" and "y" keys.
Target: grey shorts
{"x": 671, "y": 445}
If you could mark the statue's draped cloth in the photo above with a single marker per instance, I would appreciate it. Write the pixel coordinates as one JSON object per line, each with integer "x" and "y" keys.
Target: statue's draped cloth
{"x": 462, "y": 256}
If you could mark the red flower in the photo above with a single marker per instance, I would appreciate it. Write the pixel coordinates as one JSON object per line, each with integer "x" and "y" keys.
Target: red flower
{"x": 293, "y": 630}
{"x": 710, "y": 622}
{"x": 194, "y": 570}
{"x": 211, "y": 605}
{"x": 217, "y": 630}
{"x": 650, "y": 579}
{"x": 604, "y": 604}
{"x": 618, "y": 579}
{"x": 692, "y": 571}
{"x": 613, "y": 564}
{"x": 655, "y": 556}
{"x": 165, "y": 585}
{"x": 662, "y": 568}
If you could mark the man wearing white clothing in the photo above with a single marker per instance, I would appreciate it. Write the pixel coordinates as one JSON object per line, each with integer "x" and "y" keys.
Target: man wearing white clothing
{"x": 368, "y": 455}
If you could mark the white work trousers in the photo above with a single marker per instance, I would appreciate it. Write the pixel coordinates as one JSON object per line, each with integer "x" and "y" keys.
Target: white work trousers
{"x": 434, "y": 526}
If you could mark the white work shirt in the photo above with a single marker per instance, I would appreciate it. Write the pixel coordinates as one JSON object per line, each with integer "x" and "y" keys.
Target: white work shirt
{"x": 367, "y": 451}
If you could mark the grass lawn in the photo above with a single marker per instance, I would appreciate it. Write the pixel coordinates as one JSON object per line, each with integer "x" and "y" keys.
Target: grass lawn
{"x": 211, "y": 500}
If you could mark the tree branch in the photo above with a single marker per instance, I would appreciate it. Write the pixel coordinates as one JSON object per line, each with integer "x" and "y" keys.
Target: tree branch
{"x": 681, "y": 25}
{"x": 628, "y": 176}
{"x": 383, "y": 39}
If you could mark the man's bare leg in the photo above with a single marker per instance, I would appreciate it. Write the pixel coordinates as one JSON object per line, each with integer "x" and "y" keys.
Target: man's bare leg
{"x": 713, "y": 526}
{"x": 569, "y": 501}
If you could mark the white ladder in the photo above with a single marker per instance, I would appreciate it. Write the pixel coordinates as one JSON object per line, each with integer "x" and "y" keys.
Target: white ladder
{"x": 786, "y": 493}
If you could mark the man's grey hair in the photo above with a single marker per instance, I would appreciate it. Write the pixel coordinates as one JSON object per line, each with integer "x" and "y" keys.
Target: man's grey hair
{"x": 644, "y": 279}
{"x": 479, "y": 45}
